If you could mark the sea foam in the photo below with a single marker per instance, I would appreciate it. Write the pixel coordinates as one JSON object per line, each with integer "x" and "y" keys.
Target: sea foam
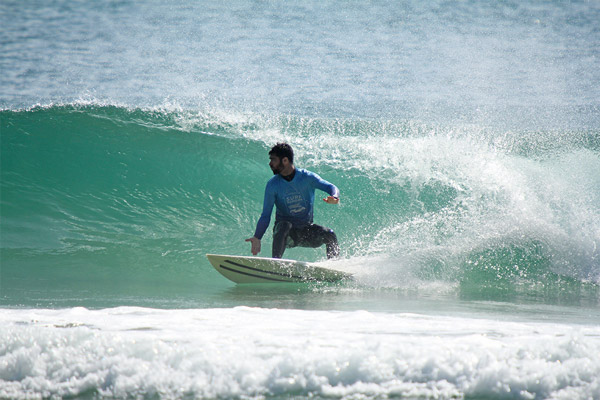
{"x": 261, "y": 353}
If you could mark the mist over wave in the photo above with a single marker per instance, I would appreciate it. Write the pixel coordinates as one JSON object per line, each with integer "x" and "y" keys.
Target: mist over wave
{"x": 129, "y": 191}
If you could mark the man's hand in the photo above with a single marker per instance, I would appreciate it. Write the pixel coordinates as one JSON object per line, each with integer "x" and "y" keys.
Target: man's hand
{"x": 331, "y": 200}
{"x": 255, "y": 245}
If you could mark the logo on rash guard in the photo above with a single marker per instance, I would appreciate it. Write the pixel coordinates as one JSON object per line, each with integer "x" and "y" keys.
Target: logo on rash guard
{"x": 295, "y": 204}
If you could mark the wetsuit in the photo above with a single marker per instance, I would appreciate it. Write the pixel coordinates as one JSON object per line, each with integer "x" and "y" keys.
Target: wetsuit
{"x": 294, "y": 197}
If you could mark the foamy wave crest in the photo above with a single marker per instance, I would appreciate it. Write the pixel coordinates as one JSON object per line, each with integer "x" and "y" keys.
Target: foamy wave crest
{"x": 262, "y": 353}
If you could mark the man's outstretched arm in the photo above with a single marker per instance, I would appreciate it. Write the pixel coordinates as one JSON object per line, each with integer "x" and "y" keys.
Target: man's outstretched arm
{"x": 263, "y": 221}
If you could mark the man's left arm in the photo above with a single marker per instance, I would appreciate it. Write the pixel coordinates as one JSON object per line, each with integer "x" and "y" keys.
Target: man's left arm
{"x": 327, "y": 187}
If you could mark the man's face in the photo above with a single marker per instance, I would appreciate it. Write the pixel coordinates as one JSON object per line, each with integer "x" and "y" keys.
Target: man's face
{"x": 275, "y": 164}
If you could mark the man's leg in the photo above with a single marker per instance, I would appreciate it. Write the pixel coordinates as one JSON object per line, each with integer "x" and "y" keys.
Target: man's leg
{"x": 315, "y": 236}
{"x": 281, "y": 231}
{"x": 331, "y": 243}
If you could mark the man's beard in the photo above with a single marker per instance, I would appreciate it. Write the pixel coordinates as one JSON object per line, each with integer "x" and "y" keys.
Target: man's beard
{"x": 277, "y": 169}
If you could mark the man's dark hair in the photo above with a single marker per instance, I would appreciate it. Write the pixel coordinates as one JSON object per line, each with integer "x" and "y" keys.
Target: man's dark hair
{"x": 283, "y": 150}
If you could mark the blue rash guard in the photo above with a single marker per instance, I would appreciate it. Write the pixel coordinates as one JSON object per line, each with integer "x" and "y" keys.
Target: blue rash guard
{"x": 294, "y": 199}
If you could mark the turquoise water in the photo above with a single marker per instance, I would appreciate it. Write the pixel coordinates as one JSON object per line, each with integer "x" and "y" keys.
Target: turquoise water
{"x": 126, "y": 203}
{"x": 465, "y": 141}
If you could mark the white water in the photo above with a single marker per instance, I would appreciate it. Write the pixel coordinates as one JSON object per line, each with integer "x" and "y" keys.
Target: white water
{"x": 256, "y": 353}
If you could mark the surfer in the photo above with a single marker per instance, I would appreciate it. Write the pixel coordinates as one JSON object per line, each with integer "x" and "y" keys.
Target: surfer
{"x": 292, "y": 191}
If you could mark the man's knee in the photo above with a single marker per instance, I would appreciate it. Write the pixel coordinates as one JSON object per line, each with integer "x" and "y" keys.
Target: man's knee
{"x": 282, "y": 228}
{"x": 318, "y": 235}
{"x": 329, "y": 236}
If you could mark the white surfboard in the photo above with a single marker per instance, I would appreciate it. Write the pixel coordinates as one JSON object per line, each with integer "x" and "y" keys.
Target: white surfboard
{"x": 242, "y": 269}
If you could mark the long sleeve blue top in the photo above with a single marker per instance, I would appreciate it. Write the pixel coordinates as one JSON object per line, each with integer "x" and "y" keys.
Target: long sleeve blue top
{"x": 294, "y": 200}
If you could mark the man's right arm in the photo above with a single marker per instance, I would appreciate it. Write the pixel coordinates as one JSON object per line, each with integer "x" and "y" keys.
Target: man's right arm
{"x": 263, "y": 221}
{"x": 265, "y": 217}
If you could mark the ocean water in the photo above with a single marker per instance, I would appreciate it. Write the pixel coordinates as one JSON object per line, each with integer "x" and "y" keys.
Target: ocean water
{"x": 465, "y": 140}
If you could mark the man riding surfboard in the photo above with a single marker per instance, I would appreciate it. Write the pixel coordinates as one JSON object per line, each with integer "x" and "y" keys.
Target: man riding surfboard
{"x": 292, "y": 191}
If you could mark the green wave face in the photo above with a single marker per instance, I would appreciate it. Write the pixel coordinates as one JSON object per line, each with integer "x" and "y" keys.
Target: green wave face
{"x": 126, "y": 202}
